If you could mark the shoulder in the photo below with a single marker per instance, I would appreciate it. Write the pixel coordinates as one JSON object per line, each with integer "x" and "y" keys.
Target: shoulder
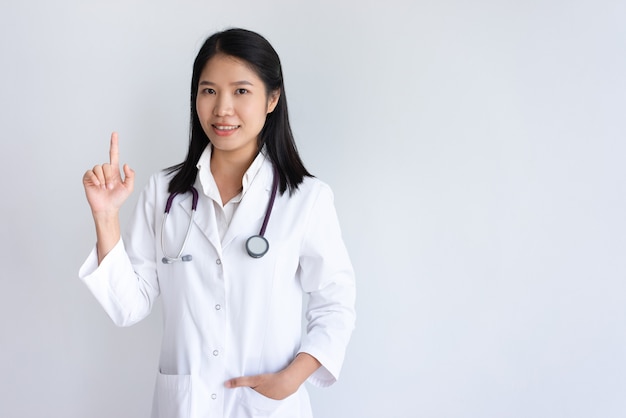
{"x": 312, "y": 187}
{"x": 312, "y": 193}
{"x": 162, "y": 177}
{"x": 157, "y": 185}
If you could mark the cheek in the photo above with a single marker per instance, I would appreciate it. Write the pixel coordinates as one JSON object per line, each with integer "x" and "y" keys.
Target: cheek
{"x": 260, "y": 112}
{"x": 199, "y": 107}
{"x": 203, "y": 110}
{"x": 259, "y": 119}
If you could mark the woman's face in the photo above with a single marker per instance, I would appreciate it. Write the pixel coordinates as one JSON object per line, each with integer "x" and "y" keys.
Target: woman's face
{"x": 232, "y": 105}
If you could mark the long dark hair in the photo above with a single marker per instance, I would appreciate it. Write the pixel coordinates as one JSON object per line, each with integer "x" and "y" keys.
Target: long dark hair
{"x": 276, "y": 134}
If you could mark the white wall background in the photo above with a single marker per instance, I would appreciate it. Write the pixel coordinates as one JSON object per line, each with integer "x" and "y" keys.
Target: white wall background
{"x": 476, "y": 150}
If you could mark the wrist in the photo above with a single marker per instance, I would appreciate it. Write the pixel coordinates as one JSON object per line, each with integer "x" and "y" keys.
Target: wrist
{"x": 107, "y": 232}
{"x": 301, "y": 368}
{"x": 106, "y": 216}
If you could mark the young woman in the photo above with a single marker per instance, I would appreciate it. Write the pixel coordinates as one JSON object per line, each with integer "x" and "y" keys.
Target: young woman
{"x": 248, "y": 232}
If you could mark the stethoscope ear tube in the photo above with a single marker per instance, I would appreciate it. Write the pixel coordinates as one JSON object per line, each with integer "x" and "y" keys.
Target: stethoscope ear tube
{"x": 169, "y": 260}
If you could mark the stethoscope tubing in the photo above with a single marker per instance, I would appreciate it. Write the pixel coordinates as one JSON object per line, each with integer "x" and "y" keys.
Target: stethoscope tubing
{"x": 168, "y": 206}
{"x": 270, "y": 204}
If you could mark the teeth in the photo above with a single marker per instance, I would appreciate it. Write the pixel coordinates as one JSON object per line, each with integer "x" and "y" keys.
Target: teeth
{"x": 226, "y": 128}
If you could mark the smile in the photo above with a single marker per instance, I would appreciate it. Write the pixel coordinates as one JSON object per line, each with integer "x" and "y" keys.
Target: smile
{"x": 225, "y": 127}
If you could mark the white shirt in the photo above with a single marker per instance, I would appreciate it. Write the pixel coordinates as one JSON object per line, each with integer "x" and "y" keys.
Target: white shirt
{"x": 226, "y": 314}
{"x": 224, "y": 213}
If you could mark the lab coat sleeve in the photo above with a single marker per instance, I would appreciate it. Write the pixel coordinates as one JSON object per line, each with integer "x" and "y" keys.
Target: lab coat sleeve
{"x": 125, "y": 283}
{"x": 327, "y": 277}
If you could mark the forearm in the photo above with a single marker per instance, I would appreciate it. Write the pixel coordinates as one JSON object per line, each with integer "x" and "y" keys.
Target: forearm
{"x": 303, "y": 366}
{"x": 107, "y": 233}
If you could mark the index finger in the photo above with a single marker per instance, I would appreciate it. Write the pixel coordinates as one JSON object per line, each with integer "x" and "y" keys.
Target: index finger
{"x": 114, "y": 151}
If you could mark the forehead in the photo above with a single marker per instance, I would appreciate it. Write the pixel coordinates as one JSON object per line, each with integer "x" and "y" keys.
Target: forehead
{"x": 226, "y": 68}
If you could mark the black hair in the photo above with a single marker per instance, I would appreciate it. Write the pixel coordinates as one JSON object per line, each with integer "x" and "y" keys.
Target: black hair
{"x": 276, "y": 135}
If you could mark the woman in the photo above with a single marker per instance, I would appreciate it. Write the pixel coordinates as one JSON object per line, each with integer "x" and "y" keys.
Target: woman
{"x": 233, "y": 344}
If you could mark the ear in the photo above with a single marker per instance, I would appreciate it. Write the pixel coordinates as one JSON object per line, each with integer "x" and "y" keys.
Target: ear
{"x": 273, "y": 100}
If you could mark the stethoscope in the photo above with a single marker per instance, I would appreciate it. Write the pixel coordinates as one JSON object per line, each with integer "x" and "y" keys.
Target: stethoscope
{"x": 256, "y": 246}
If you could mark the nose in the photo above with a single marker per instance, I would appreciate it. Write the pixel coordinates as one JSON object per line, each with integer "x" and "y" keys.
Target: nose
{"x": 223, "y": 106}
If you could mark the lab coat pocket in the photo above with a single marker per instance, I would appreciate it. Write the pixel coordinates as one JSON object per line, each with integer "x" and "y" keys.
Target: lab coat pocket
{"x": 251, "y": 404}
{"x": 172, "y": 398}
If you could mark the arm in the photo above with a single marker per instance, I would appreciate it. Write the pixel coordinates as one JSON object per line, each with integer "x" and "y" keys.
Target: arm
{"x": 326, "y": 275}
{"x": 125, "y": 291}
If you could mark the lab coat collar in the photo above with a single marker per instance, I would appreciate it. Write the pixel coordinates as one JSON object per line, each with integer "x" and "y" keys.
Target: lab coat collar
{"x": 207, "y": 182}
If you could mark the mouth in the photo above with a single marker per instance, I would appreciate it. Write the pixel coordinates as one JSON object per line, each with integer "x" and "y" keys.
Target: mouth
{"x": 225, "y": 127}
{"x": 225, "y": 130}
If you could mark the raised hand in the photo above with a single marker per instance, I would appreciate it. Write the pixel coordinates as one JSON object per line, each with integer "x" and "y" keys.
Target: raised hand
{"x": 104, "y": 187}
{"x": 106, "y": 192}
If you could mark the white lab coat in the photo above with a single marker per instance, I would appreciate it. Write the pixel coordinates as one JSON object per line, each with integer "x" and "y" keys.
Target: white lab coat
{"x": 226, "y": 314}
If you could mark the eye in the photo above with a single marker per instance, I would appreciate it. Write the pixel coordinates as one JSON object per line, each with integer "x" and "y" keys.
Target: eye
{"x": 207, "y": 91}
{"x": 241, "y": 91}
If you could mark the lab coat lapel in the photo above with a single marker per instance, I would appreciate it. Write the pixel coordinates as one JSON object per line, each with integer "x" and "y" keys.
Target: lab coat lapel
{"x": 248, "y": 217}
{"x": 204, "y": 218}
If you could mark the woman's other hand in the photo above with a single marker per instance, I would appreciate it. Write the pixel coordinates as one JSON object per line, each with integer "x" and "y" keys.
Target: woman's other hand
{"x": 280, "y": 385}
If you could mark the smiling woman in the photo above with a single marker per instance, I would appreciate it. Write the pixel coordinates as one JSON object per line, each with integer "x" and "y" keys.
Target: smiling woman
{"x": 232, "y": 339}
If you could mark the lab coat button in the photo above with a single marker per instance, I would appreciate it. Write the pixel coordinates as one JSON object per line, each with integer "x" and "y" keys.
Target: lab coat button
{"x": 218, "y": 261}
{"x": 214, "y": 396}
{"x": 218, "y": 307}
{"x": 216, "y": 353}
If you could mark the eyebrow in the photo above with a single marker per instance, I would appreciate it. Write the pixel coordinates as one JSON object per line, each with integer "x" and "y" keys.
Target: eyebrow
{"x": 235, "y": 83}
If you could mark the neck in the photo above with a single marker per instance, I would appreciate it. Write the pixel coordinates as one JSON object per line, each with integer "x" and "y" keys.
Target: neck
{"x": 231, "y": 165}
{"x": 228, "y": 169}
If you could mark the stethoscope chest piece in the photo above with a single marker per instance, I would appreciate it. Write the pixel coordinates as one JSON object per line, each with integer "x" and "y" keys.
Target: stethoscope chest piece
{"x": 257, "y": 246}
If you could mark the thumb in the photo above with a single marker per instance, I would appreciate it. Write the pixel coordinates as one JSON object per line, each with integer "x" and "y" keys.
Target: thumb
{"x": 129, "y": 177}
